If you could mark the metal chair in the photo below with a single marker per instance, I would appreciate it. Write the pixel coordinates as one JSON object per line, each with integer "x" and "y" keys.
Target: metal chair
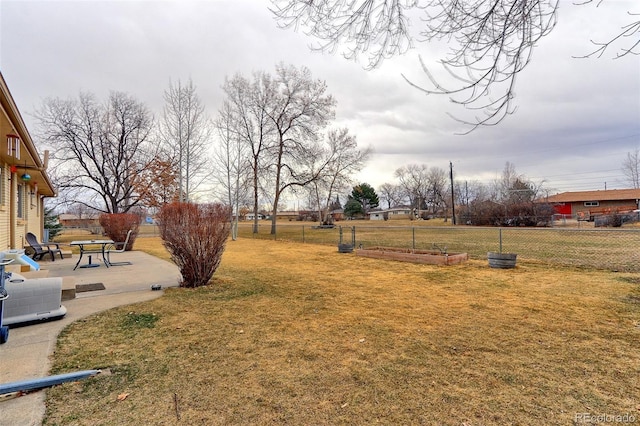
{"x": 114, "y": 249}
{"x": 42, "y": 249}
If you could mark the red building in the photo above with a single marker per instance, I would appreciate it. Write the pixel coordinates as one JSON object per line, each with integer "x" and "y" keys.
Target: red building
{"x": 585, "y": 205}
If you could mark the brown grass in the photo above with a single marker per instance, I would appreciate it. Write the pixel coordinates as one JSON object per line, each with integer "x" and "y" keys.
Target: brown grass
{"x": 300, "y": 334}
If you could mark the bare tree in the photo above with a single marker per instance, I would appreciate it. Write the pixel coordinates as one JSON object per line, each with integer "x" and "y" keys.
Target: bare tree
{"x": 250, "y": 124}
{"x": 631, "y": 168}
{"x": 507, "y": 182}
{"x": 439, "y": 191}
{"x": 82, "y": 212}
{"x": 490, "y": 41}
{"x": 425, "y": 188}
{"x": 232, "y": 159}
{"x": 100, "y": 149}
{"x": 340, "y": 159}
{"x": 186, "y": 131}
{"x": 628, "y": 31}
{"x": 298, "y": 110}
{"x": 414, "y": 181}
{"x": 391, "y": 194}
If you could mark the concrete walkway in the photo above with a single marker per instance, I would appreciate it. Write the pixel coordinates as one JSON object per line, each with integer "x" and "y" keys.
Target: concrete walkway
{"x": 26, "y": 355}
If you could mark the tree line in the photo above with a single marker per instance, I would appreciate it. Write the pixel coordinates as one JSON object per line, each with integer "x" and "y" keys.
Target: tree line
{"x": 272, "y": 134}
{"x": 510, "y": 200}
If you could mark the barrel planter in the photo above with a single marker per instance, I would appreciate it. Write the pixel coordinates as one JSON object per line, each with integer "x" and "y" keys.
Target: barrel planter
{"x": 345, "y": 248}
{"x": 502, "y": 260}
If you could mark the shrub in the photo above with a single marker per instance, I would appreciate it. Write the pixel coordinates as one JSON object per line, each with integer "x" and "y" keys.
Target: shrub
{"x": 195, "y": 236}
{"x": 616, "y": 220}
{"x": 116, "y": 226}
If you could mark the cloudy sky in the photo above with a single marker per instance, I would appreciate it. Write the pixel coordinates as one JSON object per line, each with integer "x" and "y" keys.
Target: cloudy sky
{"x": 576, "y": 120}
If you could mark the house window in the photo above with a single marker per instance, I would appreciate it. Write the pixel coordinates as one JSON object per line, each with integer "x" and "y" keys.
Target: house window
{"x": 591, "y": 203}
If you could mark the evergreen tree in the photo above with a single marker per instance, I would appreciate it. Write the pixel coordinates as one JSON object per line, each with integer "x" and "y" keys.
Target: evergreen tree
{"x": 352, "y": 208}
{"x": 51, "y": 223}
{"x": 366, "y": 196}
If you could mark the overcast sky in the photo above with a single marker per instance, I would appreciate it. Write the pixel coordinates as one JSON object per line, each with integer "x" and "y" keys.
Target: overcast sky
{"x": 576, "y": 120}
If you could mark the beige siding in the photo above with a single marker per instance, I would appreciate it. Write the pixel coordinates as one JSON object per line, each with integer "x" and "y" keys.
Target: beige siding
{"x": 4, "y": 207}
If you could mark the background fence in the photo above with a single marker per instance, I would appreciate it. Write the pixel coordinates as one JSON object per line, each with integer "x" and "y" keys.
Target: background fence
{"x": 612, "y": 249}
{"x": 615, "y": 249}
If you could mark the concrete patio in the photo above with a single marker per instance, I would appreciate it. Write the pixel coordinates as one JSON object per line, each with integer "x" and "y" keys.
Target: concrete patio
{"x": 26, "y": 354}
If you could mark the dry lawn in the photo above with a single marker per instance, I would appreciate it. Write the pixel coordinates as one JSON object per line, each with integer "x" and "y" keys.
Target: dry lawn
{"x": 300, "y": 334}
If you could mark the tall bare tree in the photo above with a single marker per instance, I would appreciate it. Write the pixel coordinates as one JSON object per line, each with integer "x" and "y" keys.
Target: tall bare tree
{"x": 231, "y": 157}
{"x": 341, "y": 159}
{"x": 490, "y": 41}
{"x": 186, "y": 132}
{"x": 100, "y": 149}
{"x": 414, "y": 181}
{"x": 298, "y": 111}
{"x": 439, "y": 190}
{"x": 249, "y": 122}
{"x": 507, "y": 182}
{"x": 280, "y": 118}
{"x": 391, "y": 194}
{"x": 631, "y": 168}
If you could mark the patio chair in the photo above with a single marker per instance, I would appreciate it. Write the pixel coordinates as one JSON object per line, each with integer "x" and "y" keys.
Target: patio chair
{"x": 42, "y": 249}
{"x": 114, "y": 249}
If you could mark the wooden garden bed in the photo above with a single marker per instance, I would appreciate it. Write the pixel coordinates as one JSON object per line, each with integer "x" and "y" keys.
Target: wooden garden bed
{"x": 431, "y": 257}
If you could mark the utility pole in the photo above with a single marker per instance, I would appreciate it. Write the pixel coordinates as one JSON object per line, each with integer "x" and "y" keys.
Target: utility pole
{"x": 453, "y": 203}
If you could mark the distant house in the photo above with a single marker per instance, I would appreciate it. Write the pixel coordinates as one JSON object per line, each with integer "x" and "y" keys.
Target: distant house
{"x": 376, "y": 214}
{"x": 337, "y": 215}
{"x": 586, "y": 205}
{"x": 402, "y": 212}
{"x": 289, "y": 215}
{"x": 251, "y": 216}
{"x": 73, "y": 221}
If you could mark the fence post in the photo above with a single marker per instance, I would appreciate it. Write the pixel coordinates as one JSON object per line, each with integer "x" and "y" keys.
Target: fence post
{"x": 340, "y": 242}
{"x": 413, "y": 237}
{"x": 353, "y": 237}
{"x": 500, "y": 238}
{"x": 302, "y": 234}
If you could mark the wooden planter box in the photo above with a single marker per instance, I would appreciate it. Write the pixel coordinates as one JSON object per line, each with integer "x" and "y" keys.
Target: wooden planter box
{"x": 429, "y": 257}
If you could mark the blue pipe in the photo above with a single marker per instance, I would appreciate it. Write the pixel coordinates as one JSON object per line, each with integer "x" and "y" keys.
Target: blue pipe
{"x": 45, "y": 382}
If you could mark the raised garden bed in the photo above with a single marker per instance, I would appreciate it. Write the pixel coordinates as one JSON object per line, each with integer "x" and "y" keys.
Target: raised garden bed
{"x": 430, "y": 257}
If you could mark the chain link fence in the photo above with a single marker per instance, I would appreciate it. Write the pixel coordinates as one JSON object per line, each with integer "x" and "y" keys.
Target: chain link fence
{"x": 610, "y": 249}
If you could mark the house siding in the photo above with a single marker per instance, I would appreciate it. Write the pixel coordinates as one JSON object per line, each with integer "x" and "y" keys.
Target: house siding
{"x": 602, "y": 202}
{"x": 4, "y": 207}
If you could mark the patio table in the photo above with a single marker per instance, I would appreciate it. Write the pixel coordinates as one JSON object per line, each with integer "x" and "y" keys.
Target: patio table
{"x": 94, "y": 247}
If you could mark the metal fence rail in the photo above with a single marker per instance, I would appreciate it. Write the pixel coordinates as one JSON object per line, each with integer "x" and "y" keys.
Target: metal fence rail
{"x": 610, "y": 249}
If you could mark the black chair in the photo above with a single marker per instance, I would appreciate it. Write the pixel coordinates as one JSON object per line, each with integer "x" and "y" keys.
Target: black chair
{"x": 41, "y": 249}
{"x": 114, "y": 249}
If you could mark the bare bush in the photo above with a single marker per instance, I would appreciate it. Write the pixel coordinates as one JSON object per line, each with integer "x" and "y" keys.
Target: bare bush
{"x": 116, "y": 226}
{"x": 195, "y": 236}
